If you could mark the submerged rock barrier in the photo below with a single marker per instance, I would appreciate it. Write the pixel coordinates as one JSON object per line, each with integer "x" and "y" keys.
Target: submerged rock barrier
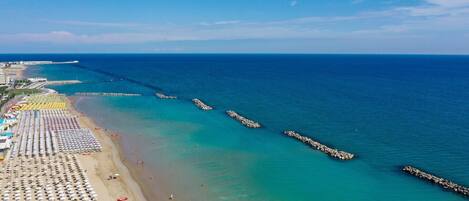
{"x": 444, "y": 183}
{"x": 104, "y": 94}
{"x": 243, "y": 120}
{"x": 163, "y": 96}
{"x": 342, "y": 155}
{"x": 201, "y": 104}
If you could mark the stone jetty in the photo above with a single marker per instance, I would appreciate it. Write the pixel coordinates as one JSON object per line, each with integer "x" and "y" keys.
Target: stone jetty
{"x": 444, "y": 183}
{"x": 201, "y": 104}
{"x": 63, "y": 82}
{"x": 163, "y": 96}
{"x": 342, "y": 155}
{"x": 104, "y": 94}
{"x": 243, "y": 120}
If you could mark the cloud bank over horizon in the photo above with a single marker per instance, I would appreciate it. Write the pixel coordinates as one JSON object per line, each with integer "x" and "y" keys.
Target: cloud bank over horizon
{"x": 428, "y": 26}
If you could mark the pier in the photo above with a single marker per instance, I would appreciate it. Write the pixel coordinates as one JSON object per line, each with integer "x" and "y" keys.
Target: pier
{"x": 243, "y": 120}
{"x": 342, "y": 155}
{"x": 444, "y": 183}
{"x": 104, "y": 94}
{"x": 66, "y": 62}
{"x": 32, "y": 63}
{"x": 163, "y": 96}
{"x": 63, "y": 82}
{"x": 201, "y": 104}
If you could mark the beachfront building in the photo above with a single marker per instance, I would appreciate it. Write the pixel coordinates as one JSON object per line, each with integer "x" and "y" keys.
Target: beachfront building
{"x": 6, "y": 124}
{"x": 4, "y": 78}
{"x": 37, "y": 79}
{"x": 5, "y": 136}
{"x": 5, "y": 144}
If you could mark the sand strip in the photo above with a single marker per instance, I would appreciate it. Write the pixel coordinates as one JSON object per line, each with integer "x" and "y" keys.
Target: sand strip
{"x": 103, "y": 164}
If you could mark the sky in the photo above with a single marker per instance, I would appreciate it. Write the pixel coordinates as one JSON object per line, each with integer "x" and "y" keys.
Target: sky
{"x": 235, "y": 26}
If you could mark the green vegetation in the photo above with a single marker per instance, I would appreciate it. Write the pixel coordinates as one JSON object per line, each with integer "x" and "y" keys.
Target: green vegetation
{"x": 7, "y": 94}
{"x": 14, "y": 92}
{"x": 23, "y": 82}
{"x": 3, "y": 90}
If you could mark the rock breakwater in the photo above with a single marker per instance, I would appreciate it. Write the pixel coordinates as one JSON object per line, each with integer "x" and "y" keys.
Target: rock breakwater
{"x": 163, "y": 96}
{"x": 342, "y": 155}
{"x": 201, "y": 104}
{"x": 444, "y": 183}
{"x": 243, "y": 120}
{"x": 104, "y": 94}
{"x": 63, "y": 82}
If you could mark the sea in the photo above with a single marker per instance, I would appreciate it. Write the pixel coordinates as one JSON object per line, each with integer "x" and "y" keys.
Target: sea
{"x": 389, "y": 110}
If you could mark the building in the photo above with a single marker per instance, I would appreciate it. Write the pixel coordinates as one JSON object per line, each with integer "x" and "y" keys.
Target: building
{"x": 38, "y": 79}
{"x": 5, "y": 144}
{"x": 4, "y": 78}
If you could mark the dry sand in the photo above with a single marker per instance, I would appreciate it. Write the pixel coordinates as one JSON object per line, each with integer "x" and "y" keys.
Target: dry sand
{"x": 101, "y": 165}
{"x": 15, "y": 71}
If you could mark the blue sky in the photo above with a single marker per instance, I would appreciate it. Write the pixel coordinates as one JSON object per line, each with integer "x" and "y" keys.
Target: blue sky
{"x": 239, "y": 26}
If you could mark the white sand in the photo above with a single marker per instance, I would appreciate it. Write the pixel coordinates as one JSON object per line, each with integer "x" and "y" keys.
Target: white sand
{"x": 101, "y": 165}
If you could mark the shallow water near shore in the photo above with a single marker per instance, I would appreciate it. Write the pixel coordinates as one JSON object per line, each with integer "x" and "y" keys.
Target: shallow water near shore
{"x": 389, "y": 110}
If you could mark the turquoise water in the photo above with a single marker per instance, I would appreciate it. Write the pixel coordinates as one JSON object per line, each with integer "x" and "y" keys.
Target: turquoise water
{"x": 390, "y": 110}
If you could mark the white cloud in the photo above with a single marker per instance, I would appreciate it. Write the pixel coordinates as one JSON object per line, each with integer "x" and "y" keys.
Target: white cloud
{"x": 449, "y": 3}
{"x": 434, "y": 17}
{"x": 97, "y": 24}
{"x": 357, "y": 1}
{"x": 438, "y": 8}
{"x": 293, "y": 3}
{"x": 226, "y": 22}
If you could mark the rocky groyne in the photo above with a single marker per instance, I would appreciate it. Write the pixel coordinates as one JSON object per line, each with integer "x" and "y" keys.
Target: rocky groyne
{"x": 243, "y": 120}
{"x": 444, "y": 183}
{"x": 104, "y": 94}
{"x": 63, "y": 82}
{"x": 201, "y": 104}
{"x": 163, "y": 96}
{"x": 342, "y": 155}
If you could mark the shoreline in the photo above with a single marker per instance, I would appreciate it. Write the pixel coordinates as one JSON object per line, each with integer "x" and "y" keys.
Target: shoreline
{"x": 143, "y": 182}
{"x": 123, "y": 156}
{"x": 127, "y": 184}
{"x": 111, "y": 150}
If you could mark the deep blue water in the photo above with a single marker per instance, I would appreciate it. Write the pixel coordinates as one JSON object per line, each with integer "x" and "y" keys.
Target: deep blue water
{"x": 390, "y": 110}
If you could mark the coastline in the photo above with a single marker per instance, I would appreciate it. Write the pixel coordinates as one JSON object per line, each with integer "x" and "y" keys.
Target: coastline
{"x": 101, "y": 165}
{"x": 126, "y": 185}
{"x": 130, "y": 152}
{"x": 140, "y": 182}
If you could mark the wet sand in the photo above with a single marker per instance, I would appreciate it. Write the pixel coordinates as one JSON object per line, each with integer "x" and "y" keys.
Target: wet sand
{"x": 103, "y": 164}
{"x": 99, "y": 166}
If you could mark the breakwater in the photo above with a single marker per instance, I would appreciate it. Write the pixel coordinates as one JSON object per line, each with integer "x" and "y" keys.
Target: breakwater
{"x": 243, "y": 120}
{"x": 163, "y": 96}
{"x": 104, "y": 94}
{"x": 342, "y": 155}
{"x": 444, "y": 183}
{"x": 62, "y": 82}
{"x": 201, "y": 104}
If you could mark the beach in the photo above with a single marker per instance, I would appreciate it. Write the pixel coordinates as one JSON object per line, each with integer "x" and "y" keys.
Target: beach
{"x": 104, "y": 169}
{"x": 16, "y": 71}
{"x": 108, "y": 162}
{"x": 206, "y": 155}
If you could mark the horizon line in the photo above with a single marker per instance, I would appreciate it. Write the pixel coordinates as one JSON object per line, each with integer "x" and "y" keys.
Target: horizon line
{"x": 236, "y": 53}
